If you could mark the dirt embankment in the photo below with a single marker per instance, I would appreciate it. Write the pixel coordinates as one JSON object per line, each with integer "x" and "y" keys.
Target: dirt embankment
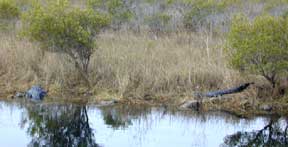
{"x": 235, "y": 104}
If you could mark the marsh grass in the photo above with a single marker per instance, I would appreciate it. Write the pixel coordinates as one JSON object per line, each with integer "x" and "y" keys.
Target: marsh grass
{"x": 22, "y": 63}
{"x": 124, "y": 64}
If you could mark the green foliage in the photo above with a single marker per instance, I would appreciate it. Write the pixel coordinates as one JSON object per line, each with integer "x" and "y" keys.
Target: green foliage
{"x": 59, "y": 27}
{"x": 151, "y": 1}
{"x": 169, "y": 2}
{"x": 25, "y": 5}
{"x": 9, "y": 13}
{"x": 117, "y": 9}
{"x": 8, "y": 9}
{"x": 217, "y": 2}
{"x": 200, "y": 10}
{"x": 260, "y": 46}
{"x": 285, "y": 15}
{"x": 269, "y": 5}
{"x": 94, "y": 4}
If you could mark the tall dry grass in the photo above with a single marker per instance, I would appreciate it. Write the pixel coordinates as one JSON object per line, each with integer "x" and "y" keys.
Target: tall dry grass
{"x": 126, "y": 64}
{"x": 23, "y": 64}
{"x": 177, "y": 63}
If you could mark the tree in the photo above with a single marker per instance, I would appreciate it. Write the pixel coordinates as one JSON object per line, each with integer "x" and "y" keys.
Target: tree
{"x": 260, "y": 46}
{"x": 59, "y": 27}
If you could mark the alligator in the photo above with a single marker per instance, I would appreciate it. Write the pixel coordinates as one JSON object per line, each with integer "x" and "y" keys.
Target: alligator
{"x": 196, "y": 103}
{"x": 224, "y": 92}
{"x": 34, "y": 93}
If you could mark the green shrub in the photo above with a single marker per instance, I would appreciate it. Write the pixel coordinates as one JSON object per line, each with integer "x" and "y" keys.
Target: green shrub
{"x": 260, "y": 46}
{"x": 9, "y": 13}
{"x": 59, "y": 27}
{"x": 117, "y": 9}
{"x": 96, "y": 4}
{"x": 200, "y": 10}
{"x": 8, "y": 9}
{"x": 203, "y": 11}
{"x": 285, "y": 14}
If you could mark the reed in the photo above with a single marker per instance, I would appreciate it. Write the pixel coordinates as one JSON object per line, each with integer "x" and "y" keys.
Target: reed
{"x": 125, "y": 64}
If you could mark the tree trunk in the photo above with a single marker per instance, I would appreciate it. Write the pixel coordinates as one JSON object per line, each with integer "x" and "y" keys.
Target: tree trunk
{"x": 82, "y": 67}
{"x": 84, "y": 73}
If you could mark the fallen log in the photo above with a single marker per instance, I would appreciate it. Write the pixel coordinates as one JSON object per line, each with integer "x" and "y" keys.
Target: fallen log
{"x": 224, "y": 92}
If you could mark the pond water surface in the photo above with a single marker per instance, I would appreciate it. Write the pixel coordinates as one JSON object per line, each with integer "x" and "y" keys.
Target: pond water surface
{"x": 36, "y": 124}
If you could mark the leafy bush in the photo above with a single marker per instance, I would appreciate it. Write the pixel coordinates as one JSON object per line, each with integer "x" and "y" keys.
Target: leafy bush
{"x": 59, "y": 27}
{"x": 200, "y": 11}
{"x": 285, "y": 15}
{"x": 9, "y": 12}
{"x": 260, "y": 46}
{"x": 117, "y": 9}
{"x": 99, "y": 5}
{"x": 8, "y": 9}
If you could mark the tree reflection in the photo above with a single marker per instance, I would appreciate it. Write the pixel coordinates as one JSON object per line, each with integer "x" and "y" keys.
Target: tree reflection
{"x": 57, "y": 125}
{"x": 114, "y": 120}
{"x": 273, "y": 134}
{"x": 122, "y": 116}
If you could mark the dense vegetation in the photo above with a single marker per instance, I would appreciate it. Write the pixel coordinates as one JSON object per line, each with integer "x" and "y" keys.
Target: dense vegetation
{"x": 260, "y": 46}
{"x": 9, "y": 12}
{"x": 60, "y": 28}
{"x": 143, "y": 48}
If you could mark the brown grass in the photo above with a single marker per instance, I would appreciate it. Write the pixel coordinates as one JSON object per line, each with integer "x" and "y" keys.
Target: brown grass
{"x": 23, "y": 64}
{"x": 125, "y": 64}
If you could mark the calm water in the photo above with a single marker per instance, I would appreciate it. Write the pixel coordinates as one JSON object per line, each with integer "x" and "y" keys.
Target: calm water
{"x": 30, "y": 124}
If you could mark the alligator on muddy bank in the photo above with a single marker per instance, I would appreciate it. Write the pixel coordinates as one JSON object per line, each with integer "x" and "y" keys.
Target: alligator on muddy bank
{"x": 34, "y": 93}
{"x": 196, "y": 103}
{"x": 224, "y": 92}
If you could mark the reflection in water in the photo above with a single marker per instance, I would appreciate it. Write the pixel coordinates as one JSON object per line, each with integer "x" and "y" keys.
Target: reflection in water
{"x": 273, "y": 134}
{"x": 122, "y": 125}
{"x": 112, "y": 118}
{"x": 121, "y": 116}
{"x": 59, "y": 126}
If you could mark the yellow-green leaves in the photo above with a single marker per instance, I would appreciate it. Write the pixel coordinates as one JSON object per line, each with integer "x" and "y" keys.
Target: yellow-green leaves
{"x": 118, "y": 10}
{"x": 200, "y": 10}
{"x": 9, "y": 13}
{"x": 59, "y": 27}
{"x": 259, "y": 46}
{"x": 8, "y": 9}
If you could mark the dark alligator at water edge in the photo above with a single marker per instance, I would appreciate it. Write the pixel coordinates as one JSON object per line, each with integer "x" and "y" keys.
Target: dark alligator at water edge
{"x": 34, "y": 93}
{"x": 217, "y": 93}
{"x": 196, "y": 103}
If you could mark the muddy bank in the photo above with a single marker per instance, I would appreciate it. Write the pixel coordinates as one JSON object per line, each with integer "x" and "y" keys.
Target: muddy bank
{"x": 239, "y": 106}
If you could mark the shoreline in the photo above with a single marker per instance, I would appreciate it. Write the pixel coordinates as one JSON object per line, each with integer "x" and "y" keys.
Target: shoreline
{"x": 238, "y": 106}
{"x": 161, "y": 72}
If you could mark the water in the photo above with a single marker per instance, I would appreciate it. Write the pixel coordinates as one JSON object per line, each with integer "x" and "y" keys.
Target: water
{"x": 30, "y": 124}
